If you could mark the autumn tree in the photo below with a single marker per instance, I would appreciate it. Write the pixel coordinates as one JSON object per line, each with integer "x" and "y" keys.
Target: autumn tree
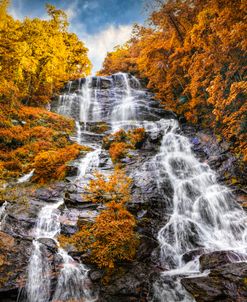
{"x": 111, "y": 238}
{"x": 36, "y": 58}
{"x": 194, "y": 57}
{"x": 120, "y": 142}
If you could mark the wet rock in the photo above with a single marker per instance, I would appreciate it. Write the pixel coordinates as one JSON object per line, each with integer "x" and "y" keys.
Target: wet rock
{"x": 191, "y": 255}
{"x": 96, "y": 275}
{"x": 72, "y": 199}
{"x": 225, "y": 284}
{"x": 146, "y": 247}
{"x": 72, "y": 170}
{"x": 128, "y": 283}
{"x": 20, "y": 218}
{"x": 50, "y": 194}
{"x": 14, "y": 257}
{"x": 219, "y": 258}
{"x": 49, "y": 243}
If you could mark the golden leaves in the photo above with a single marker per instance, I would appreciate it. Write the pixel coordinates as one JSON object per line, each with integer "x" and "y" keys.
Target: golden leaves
{"x": 195, "y": 50}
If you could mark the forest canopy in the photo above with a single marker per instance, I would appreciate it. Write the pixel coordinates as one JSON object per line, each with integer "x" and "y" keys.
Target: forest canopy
{"x": 36, "y": 58}
{"x": 193, "y": 56}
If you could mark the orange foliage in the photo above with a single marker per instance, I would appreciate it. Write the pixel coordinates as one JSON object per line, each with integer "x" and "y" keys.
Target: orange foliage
{"x": 121, "y": 142}
{"x": 51, "y": 165}
{"x": 111, "y": 237}
{"x": 115, "y": 188}
{"x": 118, "y": 151}
{"x": 137, "y": 137}
{"x": 35, "y": 131}
{"x": 194, "y": 58}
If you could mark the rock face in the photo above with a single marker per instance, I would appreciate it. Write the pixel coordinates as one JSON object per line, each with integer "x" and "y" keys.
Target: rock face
{"x": 150, "y": 203}
{"x": 14, "y": 258}
{"x": 226, "y": 283}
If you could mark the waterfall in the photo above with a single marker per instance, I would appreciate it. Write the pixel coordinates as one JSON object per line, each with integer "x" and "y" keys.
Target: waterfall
{"x": 203, "y": 214}
{"x": 3, "y": 214}
{"x": 72, "y": 281}
{"x": 125, "y": 108}
{"x": 26, "y": 177}
{"x": 88, "y": 163}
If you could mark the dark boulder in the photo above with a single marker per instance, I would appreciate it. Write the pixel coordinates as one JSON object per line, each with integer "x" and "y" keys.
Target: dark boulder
{"x": 219, "y": 258}
{"x": 227, "y": 283}
{"x": 14, "y": 257}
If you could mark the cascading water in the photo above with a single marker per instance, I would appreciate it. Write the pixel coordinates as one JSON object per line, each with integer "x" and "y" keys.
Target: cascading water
{"x": 3, "y": 214}
{"x": 204, "y": 215}
{"x": 26, "y": 177}
{"x": 72, "y": 282}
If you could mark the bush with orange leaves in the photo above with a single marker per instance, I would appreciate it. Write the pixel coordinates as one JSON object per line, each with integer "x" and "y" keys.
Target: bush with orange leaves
{"x": 118, "y": 151}
{"x": 111, "y": 238}
{"x": 51, "y": 164}
{"x": 28, "y": 134}
{"x": 114, "y": 188}
{"x": 121, "y": 142}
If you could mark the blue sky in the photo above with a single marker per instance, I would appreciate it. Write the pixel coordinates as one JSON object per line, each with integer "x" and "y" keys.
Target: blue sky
{"x": 101, "y": 24}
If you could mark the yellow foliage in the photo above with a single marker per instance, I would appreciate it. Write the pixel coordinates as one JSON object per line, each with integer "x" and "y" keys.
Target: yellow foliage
{"x": 36, "y": 58}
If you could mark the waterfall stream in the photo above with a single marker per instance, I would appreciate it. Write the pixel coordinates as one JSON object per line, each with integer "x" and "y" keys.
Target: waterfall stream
{"x": 3, "y": 214}
{"x": 203, "y": 215}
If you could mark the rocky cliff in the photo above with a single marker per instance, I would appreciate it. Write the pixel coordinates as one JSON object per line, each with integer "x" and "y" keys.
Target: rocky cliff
{"x": 100, "y": 106}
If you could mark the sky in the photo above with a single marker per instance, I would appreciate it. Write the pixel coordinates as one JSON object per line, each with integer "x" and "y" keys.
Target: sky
{"x": 101, "y": 24}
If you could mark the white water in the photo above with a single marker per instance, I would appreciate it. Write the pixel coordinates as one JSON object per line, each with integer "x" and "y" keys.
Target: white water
{"x": 73, "y": 284}
{"x": 38, "y": 284}
{"x": 88, "y": 163}
{"x": 83, "y": 105}
{"x": 203, "y": 214}
{"x": 72, "y": 281}
{"x": 26, "y": 177}
{"x": 3, "y": 214}
{"x": 125, "y": 108}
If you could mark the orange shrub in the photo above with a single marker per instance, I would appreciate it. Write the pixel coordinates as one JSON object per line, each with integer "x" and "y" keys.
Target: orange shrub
{"x": 118, "y": 151}
{"x": 29, "y": 131}
{"x": 111, "y": 237}
{"x": 51, "y": 165}
{"x": 137, "y": 137}
{"x": 114, "y": 188}
{"x": 121, "y": 142}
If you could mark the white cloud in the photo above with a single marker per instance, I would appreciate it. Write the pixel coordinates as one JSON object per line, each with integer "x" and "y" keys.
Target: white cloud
{"x": 102, "y": 42}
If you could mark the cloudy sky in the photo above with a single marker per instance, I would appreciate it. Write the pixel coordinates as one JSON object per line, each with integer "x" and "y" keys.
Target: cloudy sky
{"x": 101, "y": 24}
